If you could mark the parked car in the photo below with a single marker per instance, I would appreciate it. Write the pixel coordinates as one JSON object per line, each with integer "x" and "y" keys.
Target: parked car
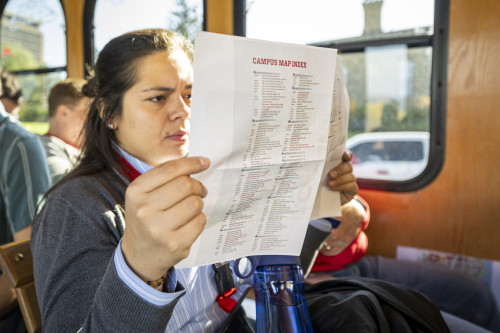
{"x": 389, "y": 155}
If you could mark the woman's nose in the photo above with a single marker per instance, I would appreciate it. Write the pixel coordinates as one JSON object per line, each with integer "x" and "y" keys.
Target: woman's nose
{"x": 180, "y": 110}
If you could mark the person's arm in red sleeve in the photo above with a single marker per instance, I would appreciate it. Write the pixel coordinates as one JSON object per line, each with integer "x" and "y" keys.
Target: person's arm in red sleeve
{"x": 347, "y": 243}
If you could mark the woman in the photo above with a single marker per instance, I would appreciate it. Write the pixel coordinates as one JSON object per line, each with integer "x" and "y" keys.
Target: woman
{"x": 107, "y": 239}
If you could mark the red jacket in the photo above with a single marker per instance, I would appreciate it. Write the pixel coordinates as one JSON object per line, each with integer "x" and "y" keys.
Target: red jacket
{"x": 353, "y": 252}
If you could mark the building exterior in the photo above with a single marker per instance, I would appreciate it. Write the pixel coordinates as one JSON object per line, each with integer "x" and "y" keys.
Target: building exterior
{"x": 21, "y": 31}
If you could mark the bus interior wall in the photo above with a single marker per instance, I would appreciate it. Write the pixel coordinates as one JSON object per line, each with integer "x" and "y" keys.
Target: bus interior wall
{"x": 458, "y": 212}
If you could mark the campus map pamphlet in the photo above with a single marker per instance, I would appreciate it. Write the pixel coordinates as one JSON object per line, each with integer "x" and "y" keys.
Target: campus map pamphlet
{"x": 268, "y": 117}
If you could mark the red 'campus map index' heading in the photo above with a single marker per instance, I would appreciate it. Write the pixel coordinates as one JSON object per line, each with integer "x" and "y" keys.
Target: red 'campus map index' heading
{"x": 276, "y": 62}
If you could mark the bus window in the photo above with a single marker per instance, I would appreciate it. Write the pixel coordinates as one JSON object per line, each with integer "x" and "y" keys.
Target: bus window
{"x": 33, "y": 46}
{"x": 184, "y": 16}
{"x": 394, "y": 56}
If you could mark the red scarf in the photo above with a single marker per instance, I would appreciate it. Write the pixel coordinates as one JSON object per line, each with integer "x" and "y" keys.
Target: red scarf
{"x": 129, "y": 170}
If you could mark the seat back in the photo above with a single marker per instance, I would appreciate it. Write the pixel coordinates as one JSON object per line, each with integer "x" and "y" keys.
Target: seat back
{"x": 17, "y": 265}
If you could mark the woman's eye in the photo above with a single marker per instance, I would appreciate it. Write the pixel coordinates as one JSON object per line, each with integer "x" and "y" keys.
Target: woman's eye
{"x": 157, "y": 99}
{"x": 187, "y": 99}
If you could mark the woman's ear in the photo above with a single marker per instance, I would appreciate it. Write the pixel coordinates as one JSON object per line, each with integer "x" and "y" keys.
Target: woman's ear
{"x": 110, "y": 122}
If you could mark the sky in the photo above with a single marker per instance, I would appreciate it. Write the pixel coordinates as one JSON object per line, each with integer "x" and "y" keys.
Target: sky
{"x": 291, "y": 21}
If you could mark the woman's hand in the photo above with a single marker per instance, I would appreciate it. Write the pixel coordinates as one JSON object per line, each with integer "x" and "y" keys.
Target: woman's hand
{"x": 350, "y": 226}
{"x": 342, "y": 179}
{"x": 163, "y": 211}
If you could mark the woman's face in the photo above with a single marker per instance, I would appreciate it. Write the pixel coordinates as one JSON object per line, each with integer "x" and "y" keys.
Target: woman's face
{"x": 154, "y": 124}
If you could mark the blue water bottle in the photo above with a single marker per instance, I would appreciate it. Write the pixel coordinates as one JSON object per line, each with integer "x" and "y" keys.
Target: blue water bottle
{"x": 278, "y": 283}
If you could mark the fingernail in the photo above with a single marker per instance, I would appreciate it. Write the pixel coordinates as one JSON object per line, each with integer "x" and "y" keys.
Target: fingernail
{"x": 334, "y": 174}
{"x": 347, "y": 155}
{"x": 204, "y": 161}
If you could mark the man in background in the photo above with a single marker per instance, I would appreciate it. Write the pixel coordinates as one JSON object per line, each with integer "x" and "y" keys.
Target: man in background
{"x": 68, "y": 109}
{"x": 24, "y": 179}
{"x": 12, "y": 97}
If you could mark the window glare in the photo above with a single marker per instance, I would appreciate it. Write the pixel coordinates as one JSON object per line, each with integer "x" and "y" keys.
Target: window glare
{"x": 389, "y": 89}
{"x": 327, "y": 20}
{"x": 129, "y": 15}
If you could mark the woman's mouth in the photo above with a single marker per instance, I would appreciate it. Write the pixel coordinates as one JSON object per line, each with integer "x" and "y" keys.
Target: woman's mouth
{"x": 179, "y": 136}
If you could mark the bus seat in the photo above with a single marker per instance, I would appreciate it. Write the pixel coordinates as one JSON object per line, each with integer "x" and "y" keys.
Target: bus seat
{"x": 17, "y": 265}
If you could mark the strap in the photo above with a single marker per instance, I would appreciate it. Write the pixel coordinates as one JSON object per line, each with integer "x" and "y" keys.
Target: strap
{"x": 223, "y": 276}
{"x": 233, "y": 320}
{"x": 156, "y": 283}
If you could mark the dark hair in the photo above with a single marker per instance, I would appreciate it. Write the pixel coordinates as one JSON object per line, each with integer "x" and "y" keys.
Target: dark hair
{"x": 113, "y": 74}
{"x": 11, "y": 88}
{"x": 67, "y": 92}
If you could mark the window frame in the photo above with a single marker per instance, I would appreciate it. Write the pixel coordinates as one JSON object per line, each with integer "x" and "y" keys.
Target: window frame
{"x": 438, "y": 87}
{"x": 88, "y": 35}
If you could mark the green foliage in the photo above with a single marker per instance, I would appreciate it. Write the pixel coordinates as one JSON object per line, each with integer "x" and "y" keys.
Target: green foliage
{"x": 15, "y": 57}
{"x": 35, "y": 108}
{"x": 390, "y": 117}
{"x": 185, "y": 21}
{"x": 357, "y": 118}
{"x": 39, "y": 128}
{"x": 416, "y": 118}
{"x": 35, "y": 87}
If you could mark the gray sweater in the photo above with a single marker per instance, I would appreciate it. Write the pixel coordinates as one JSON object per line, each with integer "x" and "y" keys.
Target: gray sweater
{"x": 73, "y": 242}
